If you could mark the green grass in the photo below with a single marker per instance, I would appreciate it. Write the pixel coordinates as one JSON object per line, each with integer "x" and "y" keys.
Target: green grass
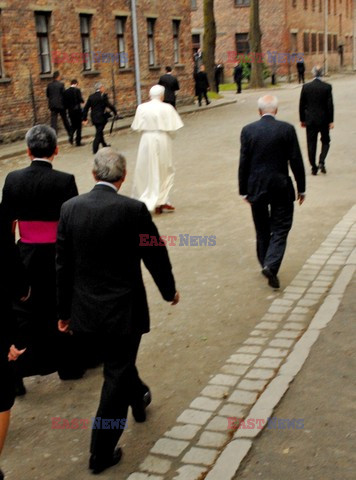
{"x": 214, "y": 96}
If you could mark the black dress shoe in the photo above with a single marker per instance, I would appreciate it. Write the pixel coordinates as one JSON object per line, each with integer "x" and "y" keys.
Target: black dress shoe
{"x": 139, "y": 410}
{"x": 80, "y": 144}
{"x": 314, "y": 171}
{"x": 99, "y": 464}
{"x": 272, "y": 278}
{"x": 2, "y": 476}
{"x": 74, "y": 375}
{"x": 322, "y": 168}
{"x": 20, "y": 390}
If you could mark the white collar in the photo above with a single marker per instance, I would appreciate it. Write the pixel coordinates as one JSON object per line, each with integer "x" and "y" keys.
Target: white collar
{"x": 108, "y": 184}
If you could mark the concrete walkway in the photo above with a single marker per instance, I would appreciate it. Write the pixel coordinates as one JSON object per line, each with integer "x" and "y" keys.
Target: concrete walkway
{"x": 18, "y": 148}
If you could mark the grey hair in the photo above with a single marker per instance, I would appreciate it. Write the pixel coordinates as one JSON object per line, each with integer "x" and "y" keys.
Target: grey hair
{"x": 317, "y": 71}
{"x": 268, "y": 104}
{"x": 41, "y": 140}
{"x": 98, "y": 85}
{"x": 109, "y": 166}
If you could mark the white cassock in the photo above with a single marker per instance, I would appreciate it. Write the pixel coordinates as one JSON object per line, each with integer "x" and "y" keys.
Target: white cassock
{"x": 154, "y": 173}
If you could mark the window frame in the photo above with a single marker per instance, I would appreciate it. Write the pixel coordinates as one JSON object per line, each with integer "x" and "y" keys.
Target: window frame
{"x": 85, "y": 38}
{"x": 43, "y": 38}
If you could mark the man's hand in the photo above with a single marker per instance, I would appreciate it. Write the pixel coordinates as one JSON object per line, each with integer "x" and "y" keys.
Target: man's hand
{"x": 301, "y": 198}
{"x": 331, "y": 126}
{"x": 14, "y": 353}
{"x": 302, "y": 124}
{"x": 175, "y": 299}
{"x": 24, "y": 299}
{"x": 63, "y": 326}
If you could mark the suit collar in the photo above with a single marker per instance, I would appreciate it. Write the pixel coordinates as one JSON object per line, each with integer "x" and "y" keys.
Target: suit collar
{"x": 104, "y": 188}
{"x": 267, "y": 117}
{"x": 41, "y": 163}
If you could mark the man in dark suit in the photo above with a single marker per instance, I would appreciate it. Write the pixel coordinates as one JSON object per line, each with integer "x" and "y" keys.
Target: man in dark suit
{"x": 238, "y": 71}
{"x": 300, "y": 69}
{"x": 316, "y": 112}
{"x": 32, "y": 197}
{"x": 202, "y": 85}
{"x": 73, "y": 102}
{"x": 171, "y": 86}
{"x": 98, "y": 102}
{"x": 268, "y": 146}
{"x": 55, "y": 95}
{"x": 13, "y": 284}
{"x": 101, "y": 238}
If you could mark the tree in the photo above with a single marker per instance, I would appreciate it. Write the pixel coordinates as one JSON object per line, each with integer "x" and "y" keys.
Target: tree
{"x": 256, "y": 80}
{"x": 209, "y": 41}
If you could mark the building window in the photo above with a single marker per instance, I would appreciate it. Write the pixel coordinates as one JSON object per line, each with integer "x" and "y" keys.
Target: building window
{"x": 196, "y": 42}
{"x": 151, "y": 41}
{"x": 294, "y": 42}
{"x": 321, "y": 42}
{"x": 335, "y": 43}
{"x": 242, "y": 43}
{"x": 305, "y": 4}
{"x": 320, "y": 6}
{"x": 329, "y": 7}
{"x": 121, "y": 44}
{"x": 85, "y": 21}
{"x": 242, "y": 3}
{"x": 329, "y": 42}
{"x": 306, "y": 42}
{"x": 294, "y": 3}
{"x": 193, "y": 4}
{"x": 335, "y": 7}
{"x": 176, "y": 55}
{"x": 42, "y": 31}
{"x": 313, "y": 5}
{"x": 314, "y": 46}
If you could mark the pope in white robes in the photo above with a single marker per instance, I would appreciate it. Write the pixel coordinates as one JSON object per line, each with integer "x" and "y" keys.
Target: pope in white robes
{"x": 154, "y": 173}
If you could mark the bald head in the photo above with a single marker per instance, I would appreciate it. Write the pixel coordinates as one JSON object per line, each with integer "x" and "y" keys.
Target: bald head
{"x": 268, "y": 104}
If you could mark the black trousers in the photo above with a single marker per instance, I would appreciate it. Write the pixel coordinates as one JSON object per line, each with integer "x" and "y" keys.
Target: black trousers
{"x": 312, "y": 138}
{"x": 122, "y": 387}
{"x": 273, "y": 222}
{"x": 76, "y": 122}
{"x": 238, "y": 85}
{"x": 202, "y": 94}
{"x": 62, "y": 113}
{"x": 99, "y": 136}
{"x": 301, "y": 77}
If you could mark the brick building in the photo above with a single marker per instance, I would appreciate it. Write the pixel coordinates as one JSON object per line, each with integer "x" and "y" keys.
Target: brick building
{"x": 91, "y": 41}
{"x": 288, "y": 26}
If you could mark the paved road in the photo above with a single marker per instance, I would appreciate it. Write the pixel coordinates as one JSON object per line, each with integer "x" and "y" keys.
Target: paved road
{"x": 223, "y": 292}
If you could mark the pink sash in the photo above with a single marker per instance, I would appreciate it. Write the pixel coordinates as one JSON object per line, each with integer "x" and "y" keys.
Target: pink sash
{"x": 38, "y": 232}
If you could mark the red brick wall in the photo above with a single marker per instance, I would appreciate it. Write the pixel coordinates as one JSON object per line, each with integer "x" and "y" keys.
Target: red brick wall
{"x": 20, "y": 53}
{"x": 277, "y": 19}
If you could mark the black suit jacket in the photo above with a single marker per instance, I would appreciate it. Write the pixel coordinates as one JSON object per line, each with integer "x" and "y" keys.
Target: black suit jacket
{"x": 100, "y": 285}
{"x": 13, "y": 283}
{"x": 316, "y": 103}
{"x": 238, "y": 71}
{"x": 55, "y": 95}
{"x": 98, "y": 103}
{"x": 73, "y": 99}
{"x": 268, "y": 146}
{"x": 201, "y": 82}
{"x": 171, "y": 85}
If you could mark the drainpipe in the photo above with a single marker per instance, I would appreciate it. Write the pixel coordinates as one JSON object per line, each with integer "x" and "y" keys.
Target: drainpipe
{"x": 136, "y": 52}
{"x": 326, "y": 18}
